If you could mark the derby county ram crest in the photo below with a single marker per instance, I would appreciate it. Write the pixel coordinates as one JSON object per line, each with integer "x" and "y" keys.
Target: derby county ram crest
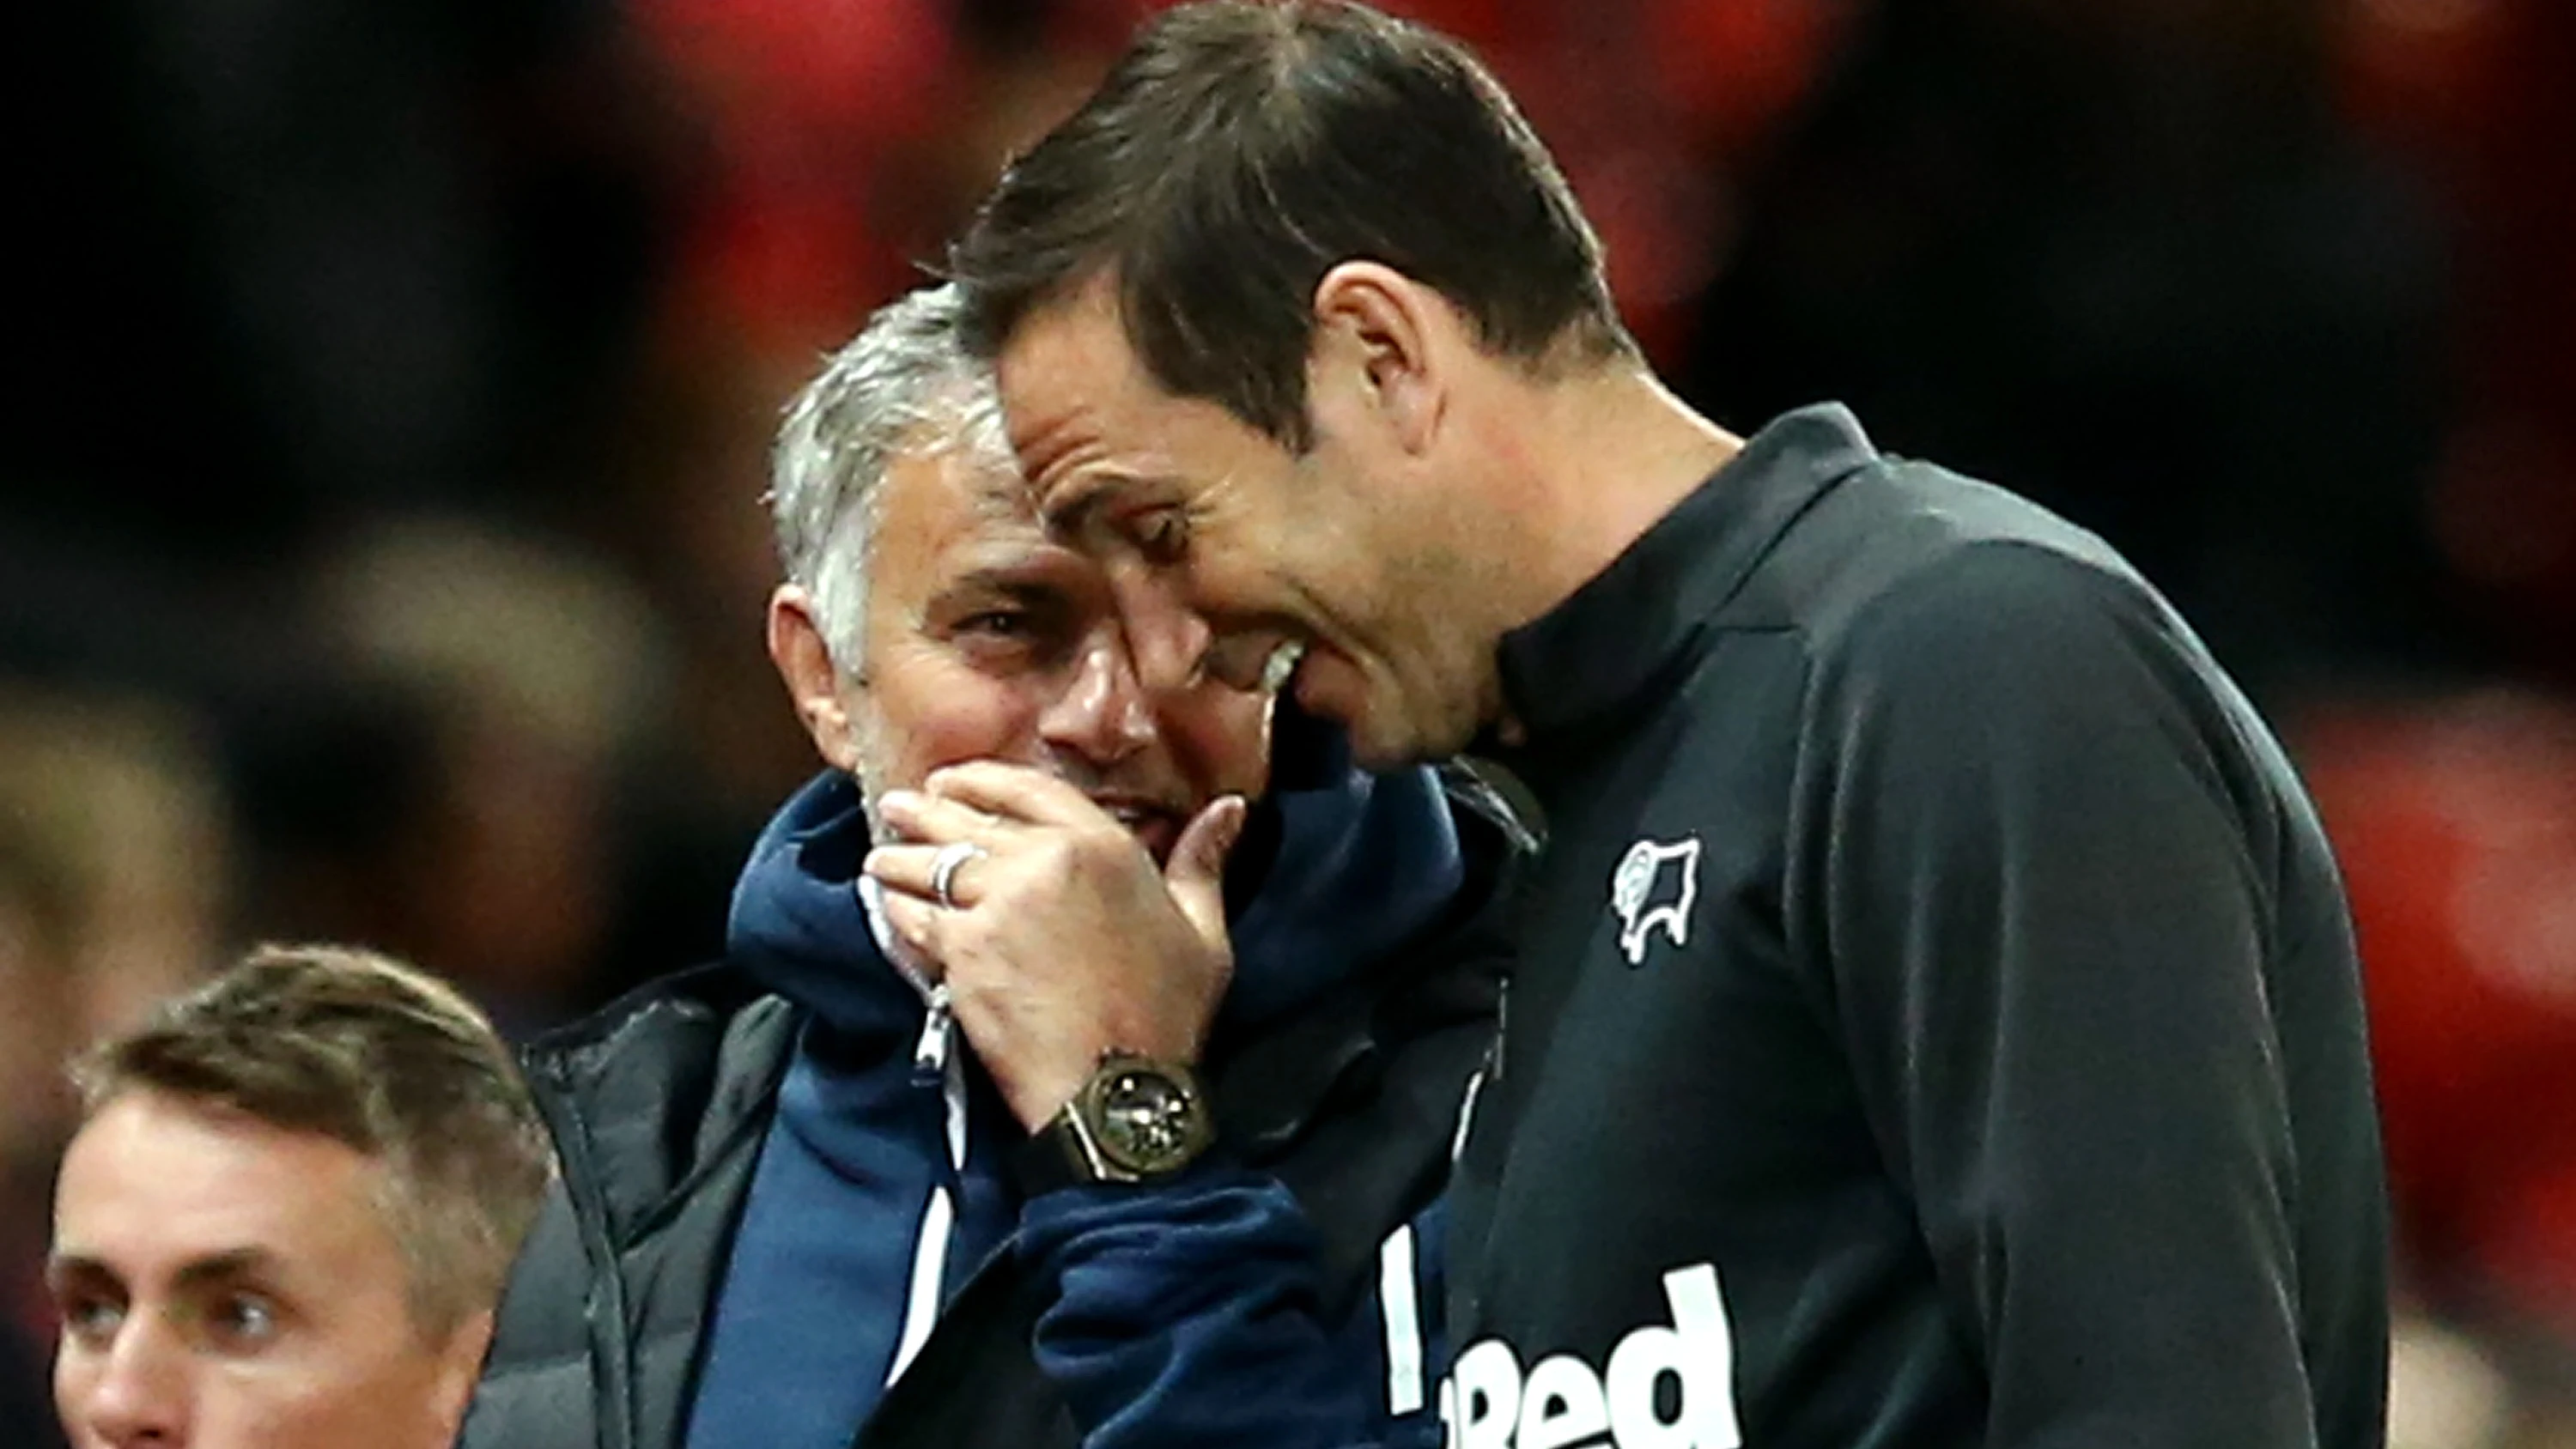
{"x": 1655, "y": 886}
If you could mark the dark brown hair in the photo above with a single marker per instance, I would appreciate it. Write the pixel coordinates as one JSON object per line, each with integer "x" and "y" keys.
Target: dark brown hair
{"x": 1239, "y": 150}
{"x": 388, "y": 1060}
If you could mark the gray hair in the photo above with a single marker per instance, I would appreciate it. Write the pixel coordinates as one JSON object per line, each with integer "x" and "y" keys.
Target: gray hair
{"x": 904, "y": 386}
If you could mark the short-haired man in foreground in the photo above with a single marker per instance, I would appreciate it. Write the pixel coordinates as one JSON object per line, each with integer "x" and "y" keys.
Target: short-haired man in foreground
{"x": 1936, "y": 1021}
{"x": 1029, "y": 1182}
{"x": 287, "y": 1214}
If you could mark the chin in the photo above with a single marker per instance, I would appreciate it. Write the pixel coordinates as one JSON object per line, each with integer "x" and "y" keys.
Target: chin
{"x": 1389, "y": 739}
{"x": 1373, "y": 751}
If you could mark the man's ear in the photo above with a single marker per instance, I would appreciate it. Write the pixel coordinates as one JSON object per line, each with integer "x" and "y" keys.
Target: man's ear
{"x": 1383, "y": 344}
{"x": 459, "y": 1366}
{"x": 814, "y": 686}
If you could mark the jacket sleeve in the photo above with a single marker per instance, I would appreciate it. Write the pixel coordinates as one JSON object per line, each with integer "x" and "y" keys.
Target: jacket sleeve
{"x": 1187, "y": 1314}
{"x": 2038, "y": 862}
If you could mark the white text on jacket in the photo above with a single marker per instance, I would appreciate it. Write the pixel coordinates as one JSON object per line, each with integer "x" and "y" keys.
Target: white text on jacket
{"x": 1562, "y": 1402}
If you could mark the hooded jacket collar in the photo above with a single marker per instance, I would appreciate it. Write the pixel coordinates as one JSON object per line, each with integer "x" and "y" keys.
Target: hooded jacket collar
{"x": 798, "y": 924}
{"x": 1362, "y": 863}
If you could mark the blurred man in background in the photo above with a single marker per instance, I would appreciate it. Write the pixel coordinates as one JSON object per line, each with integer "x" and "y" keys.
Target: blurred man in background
{"x": 1937, "y": 1020}
{"x": 1165, "y": 1189}
{"x": 288, "y": 1212}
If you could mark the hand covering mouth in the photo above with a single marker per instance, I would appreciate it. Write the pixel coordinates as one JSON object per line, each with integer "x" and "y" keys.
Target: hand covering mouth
{"x": 1156, "y": 824}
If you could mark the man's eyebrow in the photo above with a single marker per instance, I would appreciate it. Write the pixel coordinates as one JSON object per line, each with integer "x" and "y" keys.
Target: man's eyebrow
{"x": 63, "y": 1269}
{"x": 1021, "y": 580}
{"x": 225, "y": 1266}
{"x": 1076, "y": 508}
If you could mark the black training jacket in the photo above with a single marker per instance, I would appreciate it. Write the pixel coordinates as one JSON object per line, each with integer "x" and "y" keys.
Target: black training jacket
{"x": 1937, "y": 1021}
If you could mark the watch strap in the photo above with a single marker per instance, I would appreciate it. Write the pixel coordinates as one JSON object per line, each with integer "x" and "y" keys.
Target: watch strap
{"x": 1054, "y": 1157}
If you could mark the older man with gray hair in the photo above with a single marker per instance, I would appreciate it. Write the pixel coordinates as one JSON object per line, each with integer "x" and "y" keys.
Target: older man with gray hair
{"x": 901, "y": 1169}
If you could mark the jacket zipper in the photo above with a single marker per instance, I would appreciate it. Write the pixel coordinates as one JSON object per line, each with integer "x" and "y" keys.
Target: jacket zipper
{"x": 612, "y": 1371}
{"x": 935, "y": 1063}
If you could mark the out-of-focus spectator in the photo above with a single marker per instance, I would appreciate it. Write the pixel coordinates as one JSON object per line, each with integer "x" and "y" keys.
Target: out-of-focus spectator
{"x": 113, "y": 868}
{"x": 114, "y": 863}
{"x": 115, "y": 801}
{"x": 538, "y": 677}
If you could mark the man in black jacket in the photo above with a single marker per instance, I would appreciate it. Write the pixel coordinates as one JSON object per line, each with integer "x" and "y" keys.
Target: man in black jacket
{"x": 1936, "y": 1021}
{"x": 865, "y": 1182}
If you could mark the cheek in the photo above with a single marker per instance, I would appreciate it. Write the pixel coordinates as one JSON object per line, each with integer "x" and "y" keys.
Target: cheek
{"x": 75, "y": 1375}
{"x": 945, "y": 717}
{"x": 1223, "y": 743}
{"x": 325, "y": 1401}
{"x": 1235, "y": 565}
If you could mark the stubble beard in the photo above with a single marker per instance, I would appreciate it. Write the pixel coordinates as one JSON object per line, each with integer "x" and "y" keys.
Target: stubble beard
{"x": 867, "y": 741}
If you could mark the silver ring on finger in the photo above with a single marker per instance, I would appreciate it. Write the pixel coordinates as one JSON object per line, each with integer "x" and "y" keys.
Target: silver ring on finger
{"x": 944, "y": 866}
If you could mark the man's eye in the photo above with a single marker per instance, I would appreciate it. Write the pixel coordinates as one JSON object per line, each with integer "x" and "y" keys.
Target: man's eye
{"x": 1162, "y": 535}
{"x": 90, "y": 1319}
{"x": 998, "y": 623}
{"x": 242, "y": 1320}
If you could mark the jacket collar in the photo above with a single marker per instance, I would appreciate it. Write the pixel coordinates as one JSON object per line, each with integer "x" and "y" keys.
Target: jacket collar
{"x": 644, "y": 1094}
{"x": 1584, "y": 662}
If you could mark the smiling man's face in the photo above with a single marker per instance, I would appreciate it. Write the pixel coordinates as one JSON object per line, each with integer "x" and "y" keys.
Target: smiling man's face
{"x": 987, "y": 640}
{"x": 1230, "y": 554}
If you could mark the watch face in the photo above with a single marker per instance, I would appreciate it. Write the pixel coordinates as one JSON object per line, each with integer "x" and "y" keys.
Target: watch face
{"x": 1147, "y": 1121}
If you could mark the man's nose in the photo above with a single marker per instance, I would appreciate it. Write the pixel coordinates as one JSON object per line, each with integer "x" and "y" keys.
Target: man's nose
{"x": 137, "y": 1392}
{"x": 1104, "y": 713}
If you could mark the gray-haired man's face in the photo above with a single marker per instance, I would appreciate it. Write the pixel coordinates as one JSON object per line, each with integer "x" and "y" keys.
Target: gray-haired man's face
{"x": 986, "y": 640}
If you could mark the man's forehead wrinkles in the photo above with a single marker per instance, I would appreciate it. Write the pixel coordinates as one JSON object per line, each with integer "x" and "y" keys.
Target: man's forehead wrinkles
{"x": 1047, "y": 442}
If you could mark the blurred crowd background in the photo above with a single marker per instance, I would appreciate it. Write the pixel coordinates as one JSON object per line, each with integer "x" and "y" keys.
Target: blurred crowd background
{"x": 381, "y": 554}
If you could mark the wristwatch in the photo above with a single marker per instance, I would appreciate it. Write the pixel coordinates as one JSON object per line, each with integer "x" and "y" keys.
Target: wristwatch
{"x": 1136, "y": 1120}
